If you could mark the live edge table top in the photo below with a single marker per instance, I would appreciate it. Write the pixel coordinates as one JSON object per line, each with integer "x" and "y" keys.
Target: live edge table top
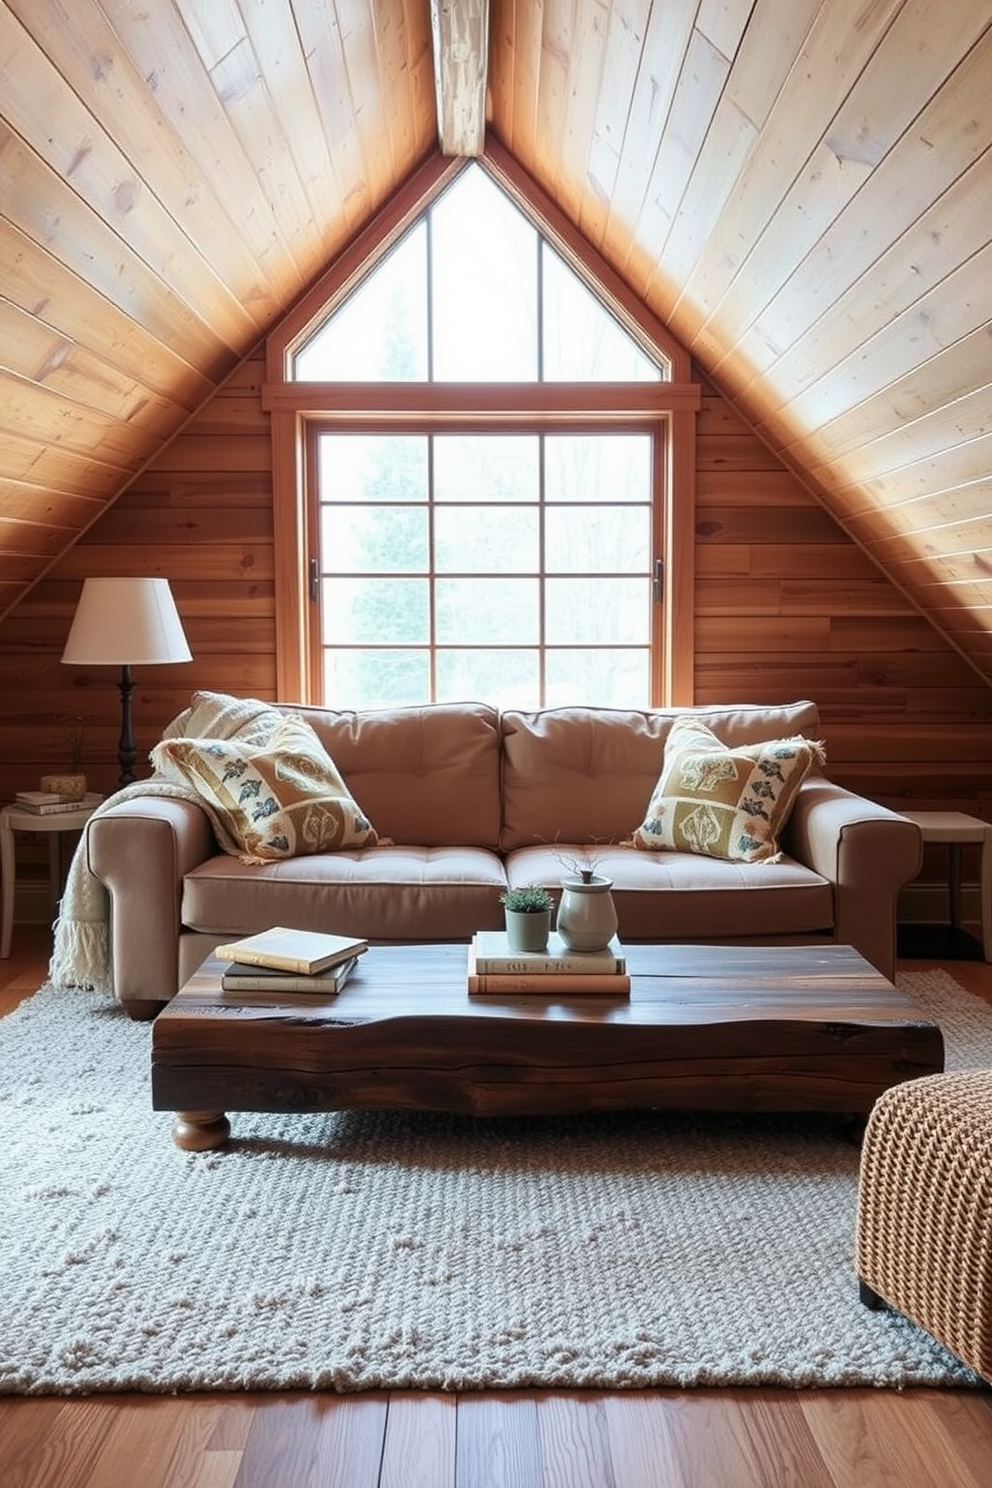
{"x": 783, "y": 1028}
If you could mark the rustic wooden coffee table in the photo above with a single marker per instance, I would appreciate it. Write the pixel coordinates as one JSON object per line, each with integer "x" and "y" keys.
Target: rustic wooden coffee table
{"x": 795, "y": 1028}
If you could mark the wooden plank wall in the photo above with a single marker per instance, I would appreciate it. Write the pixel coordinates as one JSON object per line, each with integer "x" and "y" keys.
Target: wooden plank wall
{"x": 199, "y": 516}
{"x": 787, "y": 606}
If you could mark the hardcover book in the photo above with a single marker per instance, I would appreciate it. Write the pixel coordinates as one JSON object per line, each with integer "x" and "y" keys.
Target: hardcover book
{"x": 240, "y": 977}
{"x": 604, "y": 984}
{"x": 547, "y": 982}
{"x": 494, "y": 956}
{"x": 303, "y": 951}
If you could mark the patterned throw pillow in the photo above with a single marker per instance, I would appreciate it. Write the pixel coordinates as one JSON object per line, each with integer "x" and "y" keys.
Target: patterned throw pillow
{"x": 281, "y": 798}
{"x": 724, "y": 801}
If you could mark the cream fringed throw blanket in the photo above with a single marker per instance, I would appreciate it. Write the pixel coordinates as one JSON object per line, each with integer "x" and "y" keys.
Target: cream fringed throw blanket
{"x": 81, "y": 955}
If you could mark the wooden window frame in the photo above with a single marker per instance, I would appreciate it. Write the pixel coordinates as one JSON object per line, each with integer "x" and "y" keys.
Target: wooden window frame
{"x": 537, "y": 424}
{"x": 670, "y": 405}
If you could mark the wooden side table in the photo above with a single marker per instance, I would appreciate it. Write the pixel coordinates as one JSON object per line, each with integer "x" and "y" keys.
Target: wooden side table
{"x": 952, "y": 828}
{"x": 17, "y": 819}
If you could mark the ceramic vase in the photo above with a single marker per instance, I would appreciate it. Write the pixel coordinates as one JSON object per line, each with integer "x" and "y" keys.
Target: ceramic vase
{"x": 528, "y": 930}
{"x": 587, "y": 916}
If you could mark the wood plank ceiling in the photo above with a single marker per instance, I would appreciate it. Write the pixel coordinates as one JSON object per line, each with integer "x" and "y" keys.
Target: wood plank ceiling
{"x": 800, "y": 188}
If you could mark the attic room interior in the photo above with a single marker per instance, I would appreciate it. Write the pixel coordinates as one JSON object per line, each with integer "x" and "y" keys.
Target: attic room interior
{"x": 780, "y": 206}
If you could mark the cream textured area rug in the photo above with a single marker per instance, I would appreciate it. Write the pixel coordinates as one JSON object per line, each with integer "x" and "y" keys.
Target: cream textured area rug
{"x": 357, "y": 1251}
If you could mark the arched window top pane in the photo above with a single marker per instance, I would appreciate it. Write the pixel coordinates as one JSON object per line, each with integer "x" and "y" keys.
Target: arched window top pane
{"x": 493, "y": 281}
{"x": 483, "y": 284}
{"x": 379, "y": 333}
{"x": 583, "y": 342}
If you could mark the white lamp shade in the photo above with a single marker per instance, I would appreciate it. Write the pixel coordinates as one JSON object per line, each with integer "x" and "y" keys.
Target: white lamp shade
{"x": 126, "y": 622}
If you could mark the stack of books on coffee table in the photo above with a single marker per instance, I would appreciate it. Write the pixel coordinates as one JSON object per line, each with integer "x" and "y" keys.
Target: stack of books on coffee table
{"x": 493, "y": 968}
{"x": 282, "y": 960}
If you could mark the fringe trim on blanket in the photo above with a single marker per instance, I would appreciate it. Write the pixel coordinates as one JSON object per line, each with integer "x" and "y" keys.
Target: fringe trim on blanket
{"x": 81, "y": 957}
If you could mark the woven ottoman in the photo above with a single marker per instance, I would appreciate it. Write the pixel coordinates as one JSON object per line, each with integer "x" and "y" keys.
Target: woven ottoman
{"x": 924, "y": 1232}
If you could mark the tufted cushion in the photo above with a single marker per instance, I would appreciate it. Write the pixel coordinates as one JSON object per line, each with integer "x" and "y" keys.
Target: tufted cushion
{"x": 724, "y": 801}
{"x": 277, "y": 797}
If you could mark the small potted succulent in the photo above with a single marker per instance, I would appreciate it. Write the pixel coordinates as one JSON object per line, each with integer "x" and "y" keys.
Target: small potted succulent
{"x": 528, "y": 917}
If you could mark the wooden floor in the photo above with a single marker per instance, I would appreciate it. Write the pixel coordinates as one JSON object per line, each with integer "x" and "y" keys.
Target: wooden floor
{"x": 524, "y": 1439}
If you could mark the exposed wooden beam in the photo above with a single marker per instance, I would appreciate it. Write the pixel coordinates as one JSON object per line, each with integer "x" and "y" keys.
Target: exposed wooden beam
{"x": 460, "y": 35}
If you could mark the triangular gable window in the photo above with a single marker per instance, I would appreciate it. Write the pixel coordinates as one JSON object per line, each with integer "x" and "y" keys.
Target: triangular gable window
{"x": 473, "y": 292}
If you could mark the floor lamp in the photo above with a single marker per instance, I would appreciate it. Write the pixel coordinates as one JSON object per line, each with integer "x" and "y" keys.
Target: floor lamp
{"x": 125, "y": 623}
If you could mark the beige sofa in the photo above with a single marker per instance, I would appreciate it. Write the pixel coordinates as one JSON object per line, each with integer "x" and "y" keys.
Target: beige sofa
{"x": 466, "y": 799}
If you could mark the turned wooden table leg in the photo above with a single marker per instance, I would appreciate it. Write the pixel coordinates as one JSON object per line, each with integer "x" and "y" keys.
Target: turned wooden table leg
{"x": 200, "y": 1131}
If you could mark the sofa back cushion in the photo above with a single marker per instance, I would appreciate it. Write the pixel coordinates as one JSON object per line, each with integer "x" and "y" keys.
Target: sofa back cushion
{"x": 426, "y": 775}
{"x": 585, "y": 775}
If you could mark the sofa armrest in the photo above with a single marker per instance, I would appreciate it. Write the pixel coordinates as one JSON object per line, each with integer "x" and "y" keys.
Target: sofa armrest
{"x": 867, "y": 852}
{"x": 140, "y": 851}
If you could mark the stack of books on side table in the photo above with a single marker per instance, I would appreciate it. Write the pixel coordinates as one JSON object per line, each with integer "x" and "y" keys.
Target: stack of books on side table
{"x": 48, "y": 803}
{"x": 494, "y": 968}
{"x": 281, "y": 960}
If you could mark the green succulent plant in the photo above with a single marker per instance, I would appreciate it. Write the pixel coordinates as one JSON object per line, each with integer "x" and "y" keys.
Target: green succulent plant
{"x": 527, "y": 899}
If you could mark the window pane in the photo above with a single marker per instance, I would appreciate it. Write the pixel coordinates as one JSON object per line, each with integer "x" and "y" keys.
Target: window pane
{"x": 598, "y": 611}
{"x": 486, "y": 467}
{"x": 598, "y": 539}
{"x": 372, "y": 467}
{"x": 486, "y": 539}
{"x": 373, "y": 539}
{"x": 479, "y": 612}
{"x": 503, "y": 678}
{"x": 375, "y": 610}
{"x": 379, "y": 333}
{"x": 375, "y": 679}
{"x": 583, "y": 342}
{"x": 483, "y": 285}
{"x": 598, "y": 467}
{"x": 610, "y": 679}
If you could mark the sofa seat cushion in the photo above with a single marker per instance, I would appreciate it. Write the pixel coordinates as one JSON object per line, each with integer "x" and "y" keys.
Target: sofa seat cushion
{"x": 382, "y": 893}
{"x": 682, "y": 896}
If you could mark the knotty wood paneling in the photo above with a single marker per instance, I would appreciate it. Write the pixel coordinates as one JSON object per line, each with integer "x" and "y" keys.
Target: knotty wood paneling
{"x": 788, "y": 606}
{"x": 200, "y": 516}
{"x": 171, "y": 178}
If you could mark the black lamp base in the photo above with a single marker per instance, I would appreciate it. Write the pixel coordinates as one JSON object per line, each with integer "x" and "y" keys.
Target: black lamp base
{"x": 126, "y": 752}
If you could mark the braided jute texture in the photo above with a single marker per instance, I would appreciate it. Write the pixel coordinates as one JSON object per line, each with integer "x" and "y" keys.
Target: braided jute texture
{"x": 359, "y": 1251}
{"x": 924, "y": 1234}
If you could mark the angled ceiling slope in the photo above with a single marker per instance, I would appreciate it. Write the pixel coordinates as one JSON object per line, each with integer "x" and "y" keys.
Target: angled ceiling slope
{"x": 799, "y": 189}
